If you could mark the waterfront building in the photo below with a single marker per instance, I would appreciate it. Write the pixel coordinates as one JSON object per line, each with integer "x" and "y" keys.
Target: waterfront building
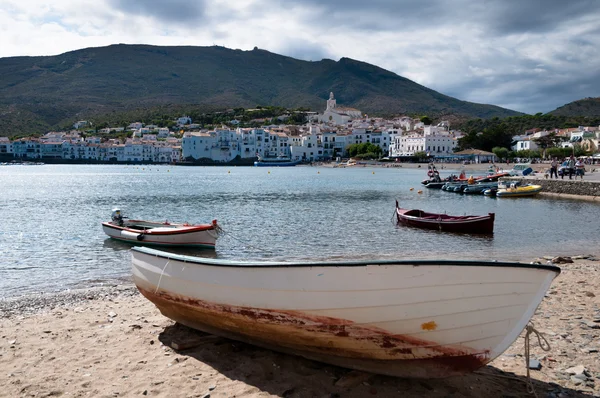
{"x": 6, "y": 147}
{"x": 433, "y": 140}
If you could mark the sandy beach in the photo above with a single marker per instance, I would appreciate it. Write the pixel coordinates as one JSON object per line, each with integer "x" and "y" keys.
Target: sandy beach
{"x": 112, "y": 342}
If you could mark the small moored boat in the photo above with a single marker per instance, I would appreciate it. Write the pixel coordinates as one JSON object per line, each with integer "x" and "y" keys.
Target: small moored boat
{"x": 407, "y": 318}
{"x": 515, "y": 189}
{"x": 161, "y": 233}
{"x": 444, "y": 222}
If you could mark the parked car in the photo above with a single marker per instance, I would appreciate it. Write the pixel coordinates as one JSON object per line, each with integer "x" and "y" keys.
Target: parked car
{"x": 563, "y": 169}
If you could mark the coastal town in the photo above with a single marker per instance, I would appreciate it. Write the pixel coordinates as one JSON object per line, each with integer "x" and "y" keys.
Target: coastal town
{"x": 324, "y": 137}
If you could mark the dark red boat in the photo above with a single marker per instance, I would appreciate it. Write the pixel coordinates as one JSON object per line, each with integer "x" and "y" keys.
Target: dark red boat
{"x": 444, "y": 222}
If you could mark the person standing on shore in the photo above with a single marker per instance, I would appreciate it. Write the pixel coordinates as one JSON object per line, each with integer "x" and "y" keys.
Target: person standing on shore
{"x": 554, "y": 168}
{"x": 571, "y": 165}
{"x": 579, "y": 168}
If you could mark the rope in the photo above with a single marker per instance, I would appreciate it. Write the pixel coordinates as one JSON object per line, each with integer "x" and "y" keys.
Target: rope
{"x": 161, "y": 275}
{"x": 544, "y": 344}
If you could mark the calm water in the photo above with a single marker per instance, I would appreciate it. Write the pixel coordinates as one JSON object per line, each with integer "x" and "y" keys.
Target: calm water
{"x": 51, "y": 237}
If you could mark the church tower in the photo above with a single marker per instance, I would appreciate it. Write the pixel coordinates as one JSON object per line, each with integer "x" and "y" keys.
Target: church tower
{"x": 331, "y": 103}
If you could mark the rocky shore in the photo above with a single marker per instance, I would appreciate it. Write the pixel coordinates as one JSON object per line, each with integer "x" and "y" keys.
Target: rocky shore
{"x": 112, "y": 342}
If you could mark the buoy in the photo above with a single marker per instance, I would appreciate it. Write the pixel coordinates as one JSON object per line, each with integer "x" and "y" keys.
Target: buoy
{"x": 419, "y": 191}
{"x": 412, "y": 189}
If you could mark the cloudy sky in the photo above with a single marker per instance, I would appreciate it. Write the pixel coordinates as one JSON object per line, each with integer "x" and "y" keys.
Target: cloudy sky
{"x": 526, "y": 55}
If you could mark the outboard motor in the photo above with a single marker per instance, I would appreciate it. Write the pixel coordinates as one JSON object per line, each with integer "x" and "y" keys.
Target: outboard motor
{"x": 117, "y": 218}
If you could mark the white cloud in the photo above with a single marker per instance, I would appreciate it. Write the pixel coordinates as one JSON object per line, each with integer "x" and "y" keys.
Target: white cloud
{"x": 503, "y": 52}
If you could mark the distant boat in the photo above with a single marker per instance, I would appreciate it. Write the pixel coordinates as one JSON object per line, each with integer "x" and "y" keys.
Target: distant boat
{"x": 521, "y": 169}
{"x": 407, "y": 318}
{"x": 515, "y": 189}
{"x": 444, "y": 222}
{"x": 280, "y": 161}
{"x": 159, "y": 233}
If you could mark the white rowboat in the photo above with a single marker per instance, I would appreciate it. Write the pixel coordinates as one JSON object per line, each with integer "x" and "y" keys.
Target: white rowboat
{"x": 163, "y": 234}
{"x": 405, "y": 318}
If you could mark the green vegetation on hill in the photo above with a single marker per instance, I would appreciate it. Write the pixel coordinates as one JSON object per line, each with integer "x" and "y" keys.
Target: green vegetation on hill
{"x": 117, "y": 83}
{"x": 588, "y": 107}
{"x": 496, "y": 132}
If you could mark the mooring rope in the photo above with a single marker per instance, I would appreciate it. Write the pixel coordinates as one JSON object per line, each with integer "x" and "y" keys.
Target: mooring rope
{"x": 544, "y": 344}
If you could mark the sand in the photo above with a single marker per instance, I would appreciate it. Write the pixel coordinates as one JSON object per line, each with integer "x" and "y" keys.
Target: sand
{"x": 112, "y": 342}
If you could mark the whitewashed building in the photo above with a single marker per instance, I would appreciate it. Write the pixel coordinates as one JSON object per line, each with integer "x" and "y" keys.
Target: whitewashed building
{"x": 338, "y": 115}
{"x": 6, "y": 147}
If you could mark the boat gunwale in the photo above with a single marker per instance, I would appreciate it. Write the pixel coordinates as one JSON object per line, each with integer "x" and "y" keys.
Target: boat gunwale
{"x": 177, "y": 229}
{"x": 361, "y": 263}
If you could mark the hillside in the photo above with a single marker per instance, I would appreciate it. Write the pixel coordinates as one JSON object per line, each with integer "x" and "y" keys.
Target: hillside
{"x": 41, "y": 93}
{"x": 589, "y": 107}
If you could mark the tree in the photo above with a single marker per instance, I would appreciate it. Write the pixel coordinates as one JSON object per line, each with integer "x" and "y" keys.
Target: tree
{"x": 426, "y": 120}
{"x": 500, "y": 152}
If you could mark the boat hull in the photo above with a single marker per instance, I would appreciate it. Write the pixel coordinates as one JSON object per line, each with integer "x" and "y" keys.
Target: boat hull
{"x": 442, "y": 222}
{"x": 167, "y": 235}
{"x": 409, "y": 319}
{"x": 530, "y": 190}
{"x": 276, "y": 164}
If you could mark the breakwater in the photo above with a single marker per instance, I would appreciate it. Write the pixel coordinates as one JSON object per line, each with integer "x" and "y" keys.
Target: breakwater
{"x": 579, "y": 189}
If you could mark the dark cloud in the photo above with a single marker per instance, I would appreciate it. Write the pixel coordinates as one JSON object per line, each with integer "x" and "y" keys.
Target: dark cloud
{"x": 167, "y": 10}
{"x": 493, "y": 16}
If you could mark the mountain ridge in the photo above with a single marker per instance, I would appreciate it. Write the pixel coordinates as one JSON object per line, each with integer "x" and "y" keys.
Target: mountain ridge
{"x": 49, "y": 92}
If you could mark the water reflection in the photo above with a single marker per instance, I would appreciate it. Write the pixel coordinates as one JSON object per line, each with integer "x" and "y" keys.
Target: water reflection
{"x": 118, "y": 245}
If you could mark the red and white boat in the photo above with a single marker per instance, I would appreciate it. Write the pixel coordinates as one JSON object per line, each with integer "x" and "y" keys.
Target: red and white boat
{"x": 165, "y": 233}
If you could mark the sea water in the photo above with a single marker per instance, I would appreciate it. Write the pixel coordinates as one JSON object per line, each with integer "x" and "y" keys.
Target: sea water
{"x": 51, "y": 236}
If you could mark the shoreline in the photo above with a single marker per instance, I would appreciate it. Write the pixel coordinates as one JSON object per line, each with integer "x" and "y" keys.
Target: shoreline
{"x": 111, "y": 341}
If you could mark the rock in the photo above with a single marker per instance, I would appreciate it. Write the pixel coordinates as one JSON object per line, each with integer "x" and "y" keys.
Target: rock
{"x": 592, "y": 325}
{"x": 590, "y": 294}
{"x": 576, "y": 381}
{"x": 352, "y": 379}
{"x": 535, "y": 364}
{"x": 562, "y": 260}
{"x": 575, "y": 370}
{"x": 112, "y": 314}
{"x": 582, "y": 257}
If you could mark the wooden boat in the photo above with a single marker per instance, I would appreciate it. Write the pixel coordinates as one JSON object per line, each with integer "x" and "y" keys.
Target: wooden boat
{"x": 444, "y": 222}
{"x": 517, "y": 190}
{"x": 161, "y": 233}
{"x": 407, "y": 318}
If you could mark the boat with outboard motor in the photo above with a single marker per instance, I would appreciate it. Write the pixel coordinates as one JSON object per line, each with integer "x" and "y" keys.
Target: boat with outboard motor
{"x": 161, "y": 233}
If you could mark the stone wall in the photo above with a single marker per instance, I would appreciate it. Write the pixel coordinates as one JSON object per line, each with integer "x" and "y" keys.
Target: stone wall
{"x": 563, "y": 187}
